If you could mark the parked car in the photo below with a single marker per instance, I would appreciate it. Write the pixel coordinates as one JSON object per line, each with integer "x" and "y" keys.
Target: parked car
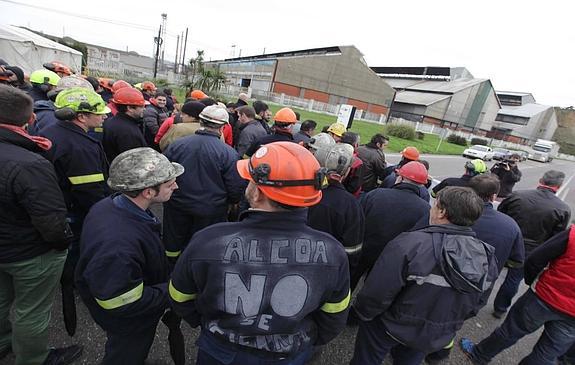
{"x": 501, "y": 154}
{"x": 478, "y": 151}
{"x": 523, "y": 154}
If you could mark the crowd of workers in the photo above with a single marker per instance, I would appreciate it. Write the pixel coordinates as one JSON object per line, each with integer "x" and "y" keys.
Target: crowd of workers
{"x": 268, "y": 228}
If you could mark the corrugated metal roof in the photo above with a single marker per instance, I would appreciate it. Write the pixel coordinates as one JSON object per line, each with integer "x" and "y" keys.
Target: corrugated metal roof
{"x": 526, "y": 110}
{"x": 514, "y": 93}
{"x": 419, "y": 98}
{"x": 447, "y": 87}
{"x": 297, "y": 53}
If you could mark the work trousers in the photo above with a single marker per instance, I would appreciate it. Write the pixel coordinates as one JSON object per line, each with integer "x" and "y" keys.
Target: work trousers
{"x": 129, "y": 348}
{"x": 373, "y": 343}
{"x": 29, "y": 287}
{"x": 526, "y": 316}
{"x": 508, "y": 289}
{"x": 211, "y": 352}
{"x": 179, "y": 227}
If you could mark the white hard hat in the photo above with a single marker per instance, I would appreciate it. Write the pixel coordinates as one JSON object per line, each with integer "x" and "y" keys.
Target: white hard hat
{"x": 215, "y": 114}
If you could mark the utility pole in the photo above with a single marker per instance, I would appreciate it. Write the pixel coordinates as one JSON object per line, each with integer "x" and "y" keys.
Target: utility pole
{"x": 184, "y": 53}
{"x": 158, "y": 41}
{"x": 176, "y": 59}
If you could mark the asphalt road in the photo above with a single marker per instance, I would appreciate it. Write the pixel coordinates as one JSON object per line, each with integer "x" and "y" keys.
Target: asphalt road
{"x": 341, "y": 349}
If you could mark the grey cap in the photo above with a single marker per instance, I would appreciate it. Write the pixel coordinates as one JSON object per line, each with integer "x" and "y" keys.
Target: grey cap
{"x": 141, "y": 168}
{"x": 338, "y": 158}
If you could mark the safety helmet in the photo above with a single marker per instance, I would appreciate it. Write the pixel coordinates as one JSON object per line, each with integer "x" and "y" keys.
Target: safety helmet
{"x": 414, "y": 171}
{"x": 106, "y": 83}
{"x": 68, "y": 82}
{"x": 138, "y": 86}
{"x": 337, "y": 128}
{"x": 285, "y": 172}
{"x": 198, "y": 94}
{"x": 338, "y": 158}
{"x": 476, "y": 166}
{"x": 320, "y": 144}
{"x": 410, "y": 153}
{"x": 120, "y": 84}
{"x": 44, "y": 77}
{"x": 148, "y": 86}
{"x": 129, "y": 96}
{"x": 5, "y": 74}
{"x": 141, "y": 168}
{"x": 285, "y": 115}
{"x": 58, "y": 67}
{"x": 80, "y": 100}
{"x": 215, "y": 114}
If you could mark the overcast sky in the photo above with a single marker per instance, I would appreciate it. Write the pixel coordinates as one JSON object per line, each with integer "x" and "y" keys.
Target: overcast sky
{"x": 520, "y": 45}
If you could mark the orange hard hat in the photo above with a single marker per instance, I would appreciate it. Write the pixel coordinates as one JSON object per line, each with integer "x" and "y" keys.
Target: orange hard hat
{"x": 148, "y": 86}
{"x": 58, "y": 67}
{"x": 414, "y": 171}
{"x": 285, "y": 172}
{"x": 120, "y": 84}
{"x": 198, "y": 95}
{"x": 410, "y": 153}
{"x": 129, "y": 96}
{"x": 106, "y": 83}
{"x": 285, "y": 115}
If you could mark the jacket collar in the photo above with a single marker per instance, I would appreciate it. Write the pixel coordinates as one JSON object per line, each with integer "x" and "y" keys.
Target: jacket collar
{"x": 298, "y": 216}
{"x": 407, "y": 187}
{"x": 205, "y": 132}
{"x": 75, "y": 129}
{"x": 449, "y": 229}
{"x": 19, "y": 137}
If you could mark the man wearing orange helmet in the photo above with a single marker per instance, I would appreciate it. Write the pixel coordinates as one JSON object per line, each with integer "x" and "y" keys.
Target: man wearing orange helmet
{"x": 124, "y": 131}
{"x": 148, "y": 90}
{"x": 59, "y": 68}
{"x": 268, "y": 288}
{"x": 284, "y": 121}
{"x": 120, "y": 84}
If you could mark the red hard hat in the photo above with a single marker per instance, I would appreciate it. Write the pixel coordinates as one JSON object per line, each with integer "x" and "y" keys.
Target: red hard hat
{"x": 410, "y": 153}
{"x": 148, "y": 86}
{"x": 414, "y": 171}
{"x": 129, "y": 96}
{"x": 120, "y": 84}
{"x": 285, "y": 172}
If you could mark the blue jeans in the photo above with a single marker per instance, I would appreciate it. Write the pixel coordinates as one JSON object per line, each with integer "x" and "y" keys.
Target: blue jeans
{"x": 212, "y": 352}
{"x": 526, "y": 316}
{"x": 508, "y": 289}
{"x": 373, "y": 343}
{"x": 569, "y": 357}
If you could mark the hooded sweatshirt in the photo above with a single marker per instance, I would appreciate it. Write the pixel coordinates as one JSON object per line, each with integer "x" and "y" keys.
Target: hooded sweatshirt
{"x": 421, "y": 273}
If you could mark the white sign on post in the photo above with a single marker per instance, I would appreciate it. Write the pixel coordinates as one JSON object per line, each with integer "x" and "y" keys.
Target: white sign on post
{"x": 346, "y": 114}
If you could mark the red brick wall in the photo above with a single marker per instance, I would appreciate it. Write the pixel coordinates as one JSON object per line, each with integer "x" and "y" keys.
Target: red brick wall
{"x": 430, "y": 120}
{"x": 378, "y": 109}
{"x": 316, "y": 95}
{"x": 286, "y": 89}
{"x": 358, "y": 104}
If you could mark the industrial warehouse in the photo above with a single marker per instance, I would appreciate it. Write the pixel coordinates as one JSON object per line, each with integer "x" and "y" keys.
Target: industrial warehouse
{"x": 448, "y": 97}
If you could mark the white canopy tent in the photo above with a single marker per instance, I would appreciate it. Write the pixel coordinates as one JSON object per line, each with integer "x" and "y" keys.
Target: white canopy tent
{"x": 29, "y": 51}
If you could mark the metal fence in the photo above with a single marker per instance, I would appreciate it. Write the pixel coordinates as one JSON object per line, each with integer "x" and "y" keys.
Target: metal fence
{"x": 331, "y": 109}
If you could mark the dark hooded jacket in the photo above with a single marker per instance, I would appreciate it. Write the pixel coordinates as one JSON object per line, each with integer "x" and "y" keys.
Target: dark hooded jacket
{"x": 422, "y": 273}
{"x": 32, "y": 208}
{"x": 44, "y": 110}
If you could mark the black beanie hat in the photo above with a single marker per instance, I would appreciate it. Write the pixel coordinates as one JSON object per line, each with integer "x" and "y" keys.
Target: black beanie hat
{"x": 17, "y": 71}
{"x": 193, "y": 108}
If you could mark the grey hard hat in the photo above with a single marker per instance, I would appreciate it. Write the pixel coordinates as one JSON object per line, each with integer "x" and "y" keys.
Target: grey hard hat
{"x": 321, "y": 140}
{"x": 71, "y": 81}
{"x": 338, "y": 158}
{"x": 215, "y": 114}
{"x": 320, "y": 144}
{"x": 141, "y": 168}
